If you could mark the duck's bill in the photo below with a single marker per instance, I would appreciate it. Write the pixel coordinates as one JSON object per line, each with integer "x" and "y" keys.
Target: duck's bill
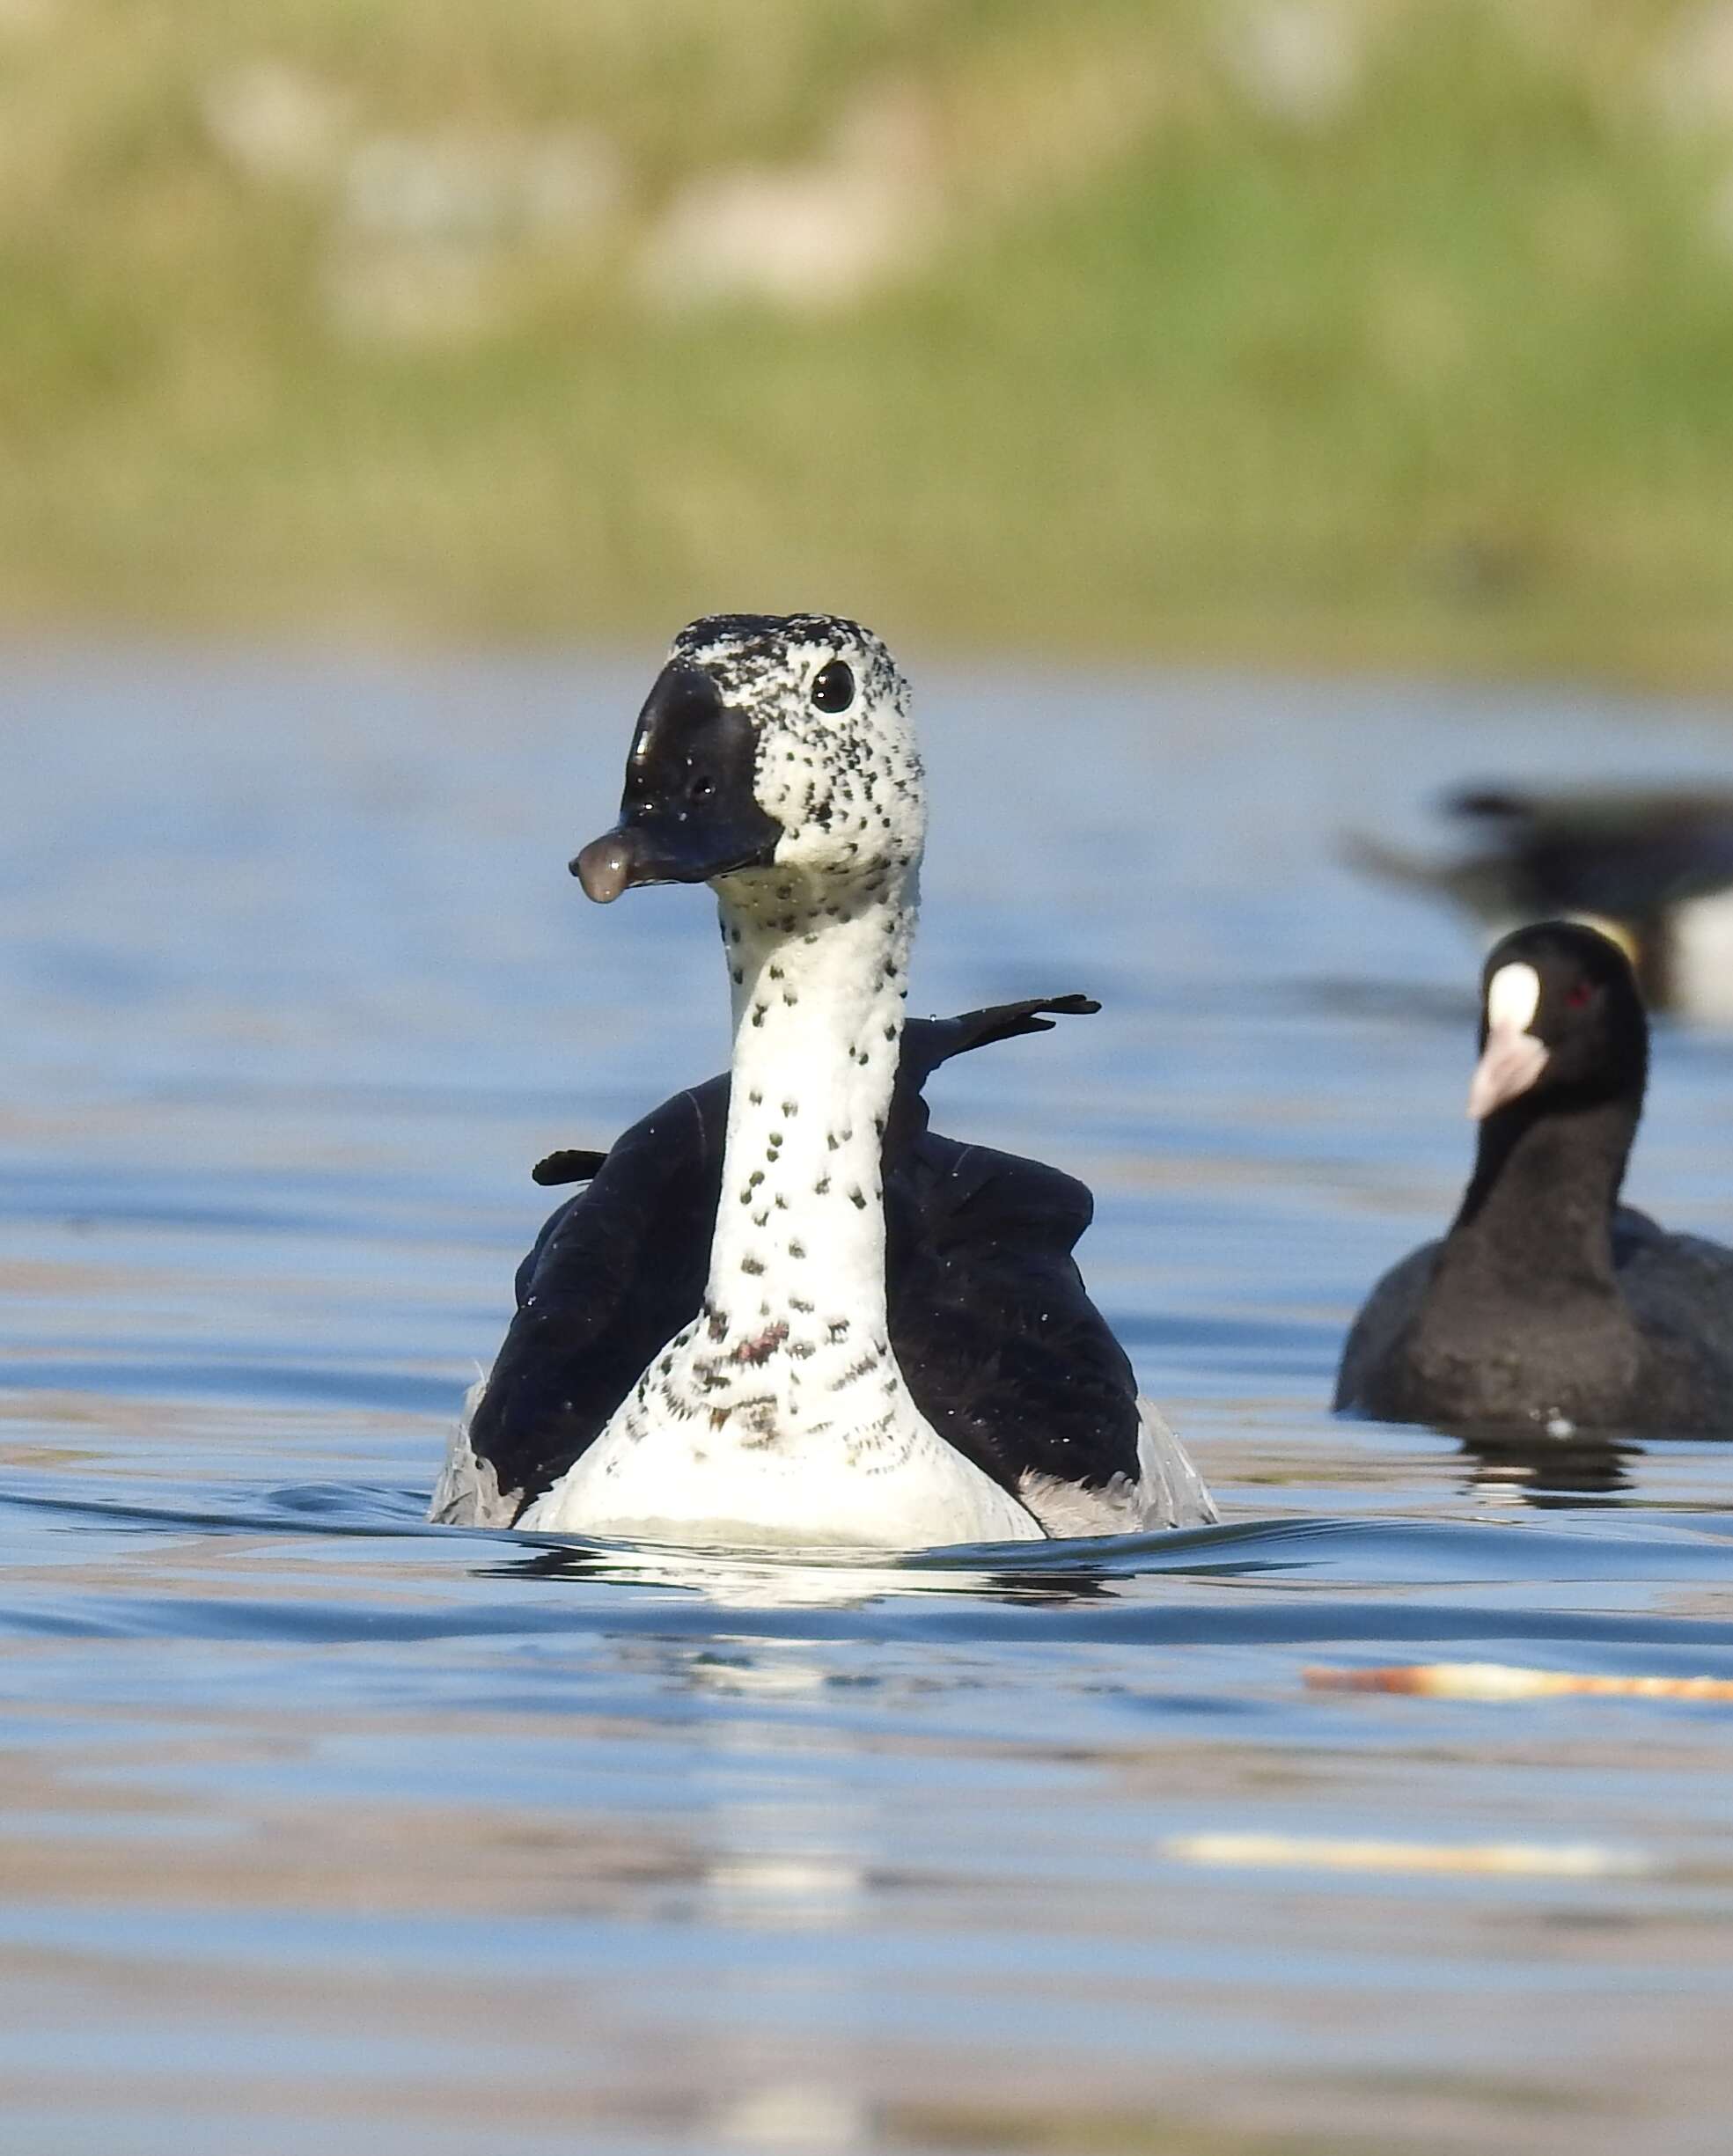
{"x": 689, "y": 812}
{"x": 666, "y": 851}
{"x": 1509, "y": 1064}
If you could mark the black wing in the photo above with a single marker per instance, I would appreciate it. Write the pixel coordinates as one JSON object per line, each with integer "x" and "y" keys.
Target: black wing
{"x": 614, "y": 1275}
{"x": 1004, "y": 1351}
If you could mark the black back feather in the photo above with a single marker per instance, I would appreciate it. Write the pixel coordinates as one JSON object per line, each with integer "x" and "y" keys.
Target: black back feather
{"x": 1002, "y": 1350}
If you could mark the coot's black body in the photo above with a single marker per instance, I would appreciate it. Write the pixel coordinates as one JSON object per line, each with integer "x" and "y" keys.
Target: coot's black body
{"x": 1548, "y": 1302}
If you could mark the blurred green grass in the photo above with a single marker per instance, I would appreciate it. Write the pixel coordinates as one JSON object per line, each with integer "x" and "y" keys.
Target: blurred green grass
{"x": 1322, "y": 332}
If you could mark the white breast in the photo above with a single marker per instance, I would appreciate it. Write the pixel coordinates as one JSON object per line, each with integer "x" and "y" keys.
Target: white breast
{"x": 682, "y": 1484}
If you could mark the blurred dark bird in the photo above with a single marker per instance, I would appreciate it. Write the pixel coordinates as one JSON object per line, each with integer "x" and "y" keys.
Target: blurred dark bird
{"x": 1548, "y": 1305}
{"x": 1651, "y": 869}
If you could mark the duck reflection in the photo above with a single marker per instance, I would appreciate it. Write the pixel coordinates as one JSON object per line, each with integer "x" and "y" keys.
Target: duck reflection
{"x": 1520, "y": 1466}
{"x": 734, "y": 1580}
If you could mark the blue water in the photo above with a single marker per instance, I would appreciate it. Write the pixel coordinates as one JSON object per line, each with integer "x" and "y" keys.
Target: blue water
{"x": 320, "y": 1827}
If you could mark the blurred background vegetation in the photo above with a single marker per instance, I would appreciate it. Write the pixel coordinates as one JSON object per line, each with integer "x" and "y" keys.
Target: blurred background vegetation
{"x": 1326, "y": 332}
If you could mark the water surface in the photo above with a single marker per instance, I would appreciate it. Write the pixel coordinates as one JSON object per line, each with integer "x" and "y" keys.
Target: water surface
{"x": 320, "y": 1825}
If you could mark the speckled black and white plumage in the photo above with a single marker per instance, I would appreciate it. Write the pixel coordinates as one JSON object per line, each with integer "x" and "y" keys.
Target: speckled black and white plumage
{"x": 1002, "y": 1350}
{"x": 1549, "y": 1305}
{"x": 783, "y": 1309}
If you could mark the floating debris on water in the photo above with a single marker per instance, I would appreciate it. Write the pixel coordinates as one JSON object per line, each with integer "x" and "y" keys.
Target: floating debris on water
{"x": 1505, "y": 1681}
{"x": 1536, "y": 1860}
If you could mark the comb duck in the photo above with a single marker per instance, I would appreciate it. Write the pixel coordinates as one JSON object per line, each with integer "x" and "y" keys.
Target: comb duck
{"x": 784, "y": 1310}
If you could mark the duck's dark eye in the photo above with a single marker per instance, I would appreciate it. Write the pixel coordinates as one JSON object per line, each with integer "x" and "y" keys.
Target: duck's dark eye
{"x": 1578, "y": 995}
{"x": 833, "y": 687}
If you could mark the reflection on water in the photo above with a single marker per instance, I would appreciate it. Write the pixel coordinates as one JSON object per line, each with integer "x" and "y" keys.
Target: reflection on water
{"x": 317, "y": 1824}
{"x": 732, "y": 1580}
{"x": 1521, "y": 1467}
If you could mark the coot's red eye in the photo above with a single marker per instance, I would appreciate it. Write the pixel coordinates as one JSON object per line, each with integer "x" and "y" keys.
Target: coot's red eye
{"x": 1578, "y": 993}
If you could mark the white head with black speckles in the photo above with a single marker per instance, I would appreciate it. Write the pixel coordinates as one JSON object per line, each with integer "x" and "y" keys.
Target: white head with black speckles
{"x": 836, "y": 765}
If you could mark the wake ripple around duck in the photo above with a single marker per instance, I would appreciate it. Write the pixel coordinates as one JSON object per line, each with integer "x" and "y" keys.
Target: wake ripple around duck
{"x": 360, "y": 1563}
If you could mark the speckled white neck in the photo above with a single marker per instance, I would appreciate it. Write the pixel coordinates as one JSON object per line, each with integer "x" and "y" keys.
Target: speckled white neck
{"x": 780, "y": 1412}
{"x": 817, "y": 983}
